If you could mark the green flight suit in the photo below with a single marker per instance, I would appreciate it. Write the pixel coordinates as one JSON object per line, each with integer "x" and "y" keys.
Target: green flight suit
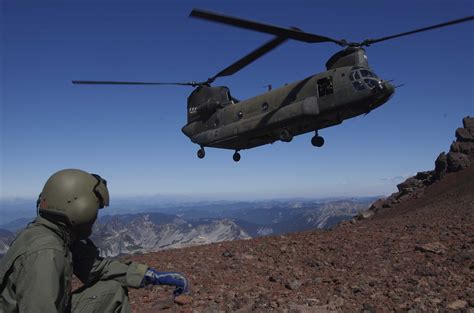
{"x": 36, "y": 273}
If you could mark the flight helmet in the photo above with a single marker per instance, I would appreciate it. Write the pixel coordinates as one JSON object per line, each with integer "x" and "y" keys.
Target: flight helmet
{"x": 73, "y": 197}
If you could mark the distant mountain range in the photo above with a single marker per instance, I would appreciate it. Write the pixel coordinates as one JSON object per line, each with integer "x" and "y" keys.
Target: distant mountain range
{"x": 204, "y": 223}
{"x": 6, "y": 237}
{"x": 152, "y": 232}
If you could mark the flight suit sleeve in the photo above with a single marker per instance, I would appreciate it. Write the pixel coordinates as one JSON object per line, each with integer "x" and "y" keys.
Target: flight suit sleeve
{"x": 41, "y": 285}
{"x": 89, "y": 267}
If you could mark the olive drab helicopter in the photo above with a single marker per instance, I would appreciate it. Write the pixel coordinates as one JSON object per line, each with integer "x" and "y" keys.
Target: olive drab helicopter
{"x": 346, "y": 89}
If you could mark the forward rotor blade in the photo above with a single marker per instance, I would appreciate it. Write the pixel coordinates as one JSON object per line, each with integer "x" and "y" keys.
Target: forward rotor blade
{"x": 93, "y": 82}
{"x": 461, "y": 20}
{"x": 261, "y": 27}
{"x": 249, "y": 58}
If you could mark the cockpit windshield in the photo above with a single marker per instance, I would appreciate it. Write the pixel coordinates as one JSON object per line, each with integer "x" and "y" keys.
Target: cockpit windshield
{"x": 367, "y": 73}
{"x": 363, "y": 79}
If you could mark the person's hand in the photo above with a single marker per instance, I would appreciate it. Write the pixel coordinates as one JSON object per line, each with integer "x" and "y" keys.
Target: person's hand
{"x": 166, "y": 278}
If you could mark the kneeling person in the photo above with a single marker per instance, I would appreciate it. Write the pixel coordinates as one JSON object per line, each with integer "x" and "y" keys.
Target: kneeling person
{"x": 36, "y": 272}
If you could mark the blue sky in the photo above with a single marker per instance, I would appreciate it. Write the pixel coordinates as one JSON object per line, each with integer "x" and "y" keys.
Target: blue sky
{"x": 132, "y": 135}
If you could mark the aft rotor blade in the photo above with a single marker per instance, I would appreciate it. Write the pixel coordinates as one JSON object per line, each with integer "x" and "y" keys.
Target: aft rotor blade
{"x": 94, "y": 82}
{"x": 461, "y": 20}
{"x": 249, "y": 58}
{"x": 261, "y": 27}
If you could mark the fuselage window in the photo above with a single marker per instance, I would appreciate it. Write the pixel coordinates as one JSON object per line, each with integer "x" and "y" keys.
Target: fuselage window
{"x": 358, "y": 85}
{"x": 325, "y": 86}
{"x": 240, "y": 114}
{"x": 265, "y": 106}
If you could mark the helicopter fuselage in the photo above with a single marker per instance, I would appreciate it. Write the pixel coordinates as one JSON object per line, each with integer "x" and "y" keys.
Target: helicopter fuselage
{"x": 311, "y": 104}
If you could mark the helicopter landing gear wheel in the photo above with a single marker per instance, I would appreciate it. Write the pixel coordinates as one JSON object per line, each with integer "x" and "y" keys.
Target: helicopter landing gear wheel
{"x": 201, "y": 153}
{"x": 236, "y": 156}
{"x": 285, "y": 135}
{"x": 317, "y": 141}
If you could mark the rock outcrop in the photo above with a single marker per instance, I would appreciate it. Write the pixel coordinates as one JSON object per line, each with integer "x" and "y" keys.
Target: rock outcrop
{"x": 459, "y": 157}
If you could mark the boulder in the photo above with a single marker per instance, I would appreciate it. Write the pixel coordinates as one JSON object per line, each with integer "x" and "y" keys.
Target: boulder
{"x": 468, "y": 122}
{"x": 464, "y": 135}
{"x": 457, "y": 161}
{"x": 441, "y": 166}
{"x": 410, "y": 185}
{"x": 424, "y": 175}
{"x": 377, "y": 205}
{"x": 293, "y": 285}
{"x": 463, "y": 147}
{"x": 364, "y": 215}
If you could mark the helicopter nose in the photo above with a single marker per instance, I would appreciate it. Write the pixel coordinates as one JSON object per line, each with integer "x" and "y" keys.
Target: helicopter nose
{"x": 382, "y": 92}
{"x": 389, "y": 89}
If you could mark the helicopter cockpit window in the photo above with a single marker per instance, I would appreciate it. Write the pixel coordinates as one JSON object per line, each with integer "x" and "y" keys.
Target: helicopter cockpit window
{"x": 372, "y": 83}
{"x": 325, "y": 86}
{"x": 358, "y": 85}
{"x": 366, "y": 73}
{"x": 362, "y": 79}
{"x": 355, "y": 76}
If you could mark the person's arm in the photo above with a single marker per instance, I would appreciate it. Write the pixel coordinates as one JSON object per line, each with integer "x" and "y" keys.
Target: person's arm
{"x": 41, "y": 283}
{"x": 89, "y": 267}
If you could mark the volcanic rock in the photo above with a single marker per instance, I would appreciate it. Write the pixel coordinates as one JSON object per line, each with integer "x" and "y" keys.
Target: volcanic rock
{"x": 464, "y": 135}
{"x": 457, "y": 161}
{"x": 462, "y": 147}
{"x": 434, "y": 247}
{"x": 293, "y": 285}
{"x": 441, "y": 166}
{"x": 457, "y": 305}
{"x": 183, "y": 299}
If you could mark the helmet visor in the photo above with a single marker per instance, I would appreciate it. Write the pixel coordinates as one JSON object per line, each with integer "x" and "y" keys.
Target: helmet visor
{"x": 101, "y": 192}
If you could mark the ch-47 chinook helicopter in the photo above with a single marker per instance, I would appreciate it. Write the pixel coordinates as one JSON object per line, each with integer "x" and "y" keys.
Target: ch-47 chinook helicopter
{"x": 346, "y": 89}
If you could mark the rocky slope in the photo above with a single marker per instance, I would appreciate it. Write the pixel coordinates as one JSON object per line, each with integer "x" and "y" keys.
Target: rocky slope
{"x": 416, "y": 254}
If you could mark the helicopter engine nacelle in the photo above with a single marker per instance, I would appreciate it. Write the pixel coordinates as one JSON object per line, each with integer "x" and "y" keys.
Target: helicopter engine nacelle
{"x": 205, "y": 100}
{"x": 351, "y": 56}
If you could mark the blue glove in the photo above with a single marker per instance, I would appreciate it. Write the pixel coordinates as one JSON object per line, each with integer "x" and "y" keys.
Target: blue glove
{"x": 166, "y": 278}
